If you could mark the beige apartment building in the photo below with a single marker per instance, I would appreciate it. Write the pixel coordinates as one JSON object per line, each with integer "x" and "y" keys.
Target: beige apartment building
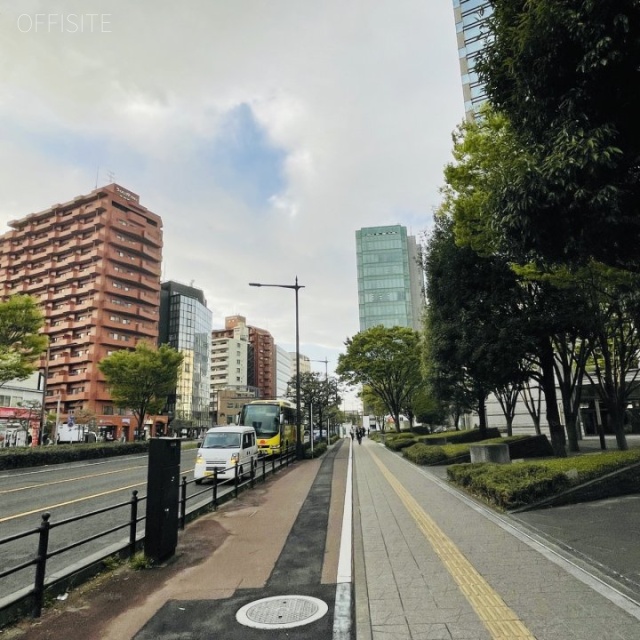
{"x": 94, "y": 264}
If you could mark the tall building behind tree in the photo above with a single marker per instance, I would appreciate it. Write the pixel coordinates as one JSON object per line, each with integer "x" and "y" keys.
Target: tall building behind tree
{"x": 471, "y": 27}
{"x": 390, "y": 280}
{"x": 185, "y": 325}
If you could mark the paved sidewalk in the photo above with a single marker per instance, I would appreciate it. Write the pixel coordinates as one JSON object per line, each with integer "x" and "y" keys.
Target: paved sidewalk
{"x": 435, "y": 565}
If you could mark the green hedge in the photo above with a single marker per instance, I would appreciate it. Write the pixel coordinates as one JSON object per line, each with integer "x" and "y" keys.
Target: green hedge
{"x": 421, "y": 453}
{"x": 510, "y": 486}
{"x": 458, "y": 437}
{"x": 18, "y": 457}
{"x": 451, "y": 453}
{"x": 318, "y": 449}
{"x": 398, "y": 443}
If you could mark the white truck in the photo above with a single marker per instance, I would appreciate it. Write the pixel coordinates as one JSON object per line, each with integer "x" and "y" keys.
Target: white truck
{"x": 70, "y": 433}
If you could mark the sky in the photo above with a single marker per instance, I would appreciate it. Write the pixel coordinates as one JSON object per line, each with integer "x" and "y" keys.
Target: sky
{"x": 263, "y": 132}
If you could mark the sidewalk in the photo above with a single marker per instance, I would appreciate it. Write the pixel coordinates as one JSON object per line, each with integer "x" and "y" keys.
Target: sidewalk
{"x": 436, "y": 565}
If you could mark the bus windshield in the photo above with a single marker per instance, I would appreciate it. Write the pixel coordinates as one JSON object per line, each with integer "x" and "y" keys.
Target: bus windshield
{"x": 221, "y": 441}
{"x": 264, "y": 418}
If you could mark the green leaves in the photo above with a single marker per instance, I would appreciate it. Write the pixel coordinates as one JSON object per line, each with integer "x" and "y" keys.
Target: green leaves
{"x": 141, "y": 380}
{"x": 387, "y": 360}
{"x": 21, "y": 343}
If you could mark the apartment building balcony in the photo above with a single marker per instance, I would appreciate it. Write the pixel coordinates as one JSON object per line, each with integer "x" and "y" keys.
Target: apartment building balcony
{"x": 150, "y": 313}
{"x": 147, "y": 330}
{"x": 60, "y": 360}
{"x": 151, "y": 252}
{"x": 76, "y": 395}
{"x": 23, "y": 287}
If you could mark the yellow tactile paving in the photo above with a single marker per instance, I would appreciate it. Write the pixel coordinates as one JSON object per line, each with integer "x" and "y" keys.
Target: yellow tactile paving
{"x": 501, "y": 622}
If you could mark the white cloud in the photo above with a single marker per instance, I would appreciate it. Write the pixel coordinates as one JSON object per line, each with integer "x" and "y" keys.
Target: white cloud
{"x": 360, "y": 98}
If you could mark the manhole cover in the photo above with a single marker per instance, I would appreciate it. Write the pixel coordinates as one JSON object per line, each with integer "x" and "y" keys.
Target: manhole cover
{"x": 281, "y": 612}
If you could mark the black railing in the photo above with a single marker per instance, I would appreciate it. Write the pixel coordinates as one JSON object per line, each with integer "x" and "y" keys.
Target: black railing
{"x": 32, "y": 598}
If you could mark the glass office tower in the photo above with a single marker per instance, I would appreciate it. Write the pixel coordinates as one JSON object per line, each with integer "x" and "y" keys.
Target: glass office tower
{"x": 471, "y": 17}
{"x": 185, "y": 325}
{"x": 390, "y": 281}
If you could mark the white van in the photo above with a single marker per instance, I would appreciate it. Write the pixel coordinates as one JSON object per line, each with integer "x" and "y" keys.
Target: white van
{"x": 224, "y": 448}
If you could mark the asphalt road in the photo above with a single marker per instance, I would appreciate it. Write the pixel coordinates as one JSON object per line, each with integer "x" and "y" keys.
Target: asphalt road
{"x": 67, "y": 491}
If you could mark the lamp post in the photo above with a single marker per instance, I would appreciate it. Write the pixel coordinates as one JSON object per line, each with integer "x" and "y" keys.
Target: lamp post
{"x": 326, "y": 382}
{"x": 43, "y": 409}
{"x": 296, "y": 287}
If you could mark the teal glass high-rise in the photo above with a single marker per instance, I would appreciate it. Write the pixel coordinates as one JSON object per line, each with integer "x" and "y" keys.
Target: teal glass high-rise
{"x": 390, "y": 280}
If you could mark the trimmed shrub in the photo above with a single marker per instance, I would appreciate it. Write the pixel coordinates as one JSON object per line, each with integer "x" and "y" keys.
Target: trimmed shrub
{"x": 420, "y": 453}
{"x": 423, "y": 454}
{"x": 458, "y": 437}
{"x": 18, "y": 458}
{"x": 399, "y": 442}
{"x": 509, "y": 486}
{"x": 318, "y": 449}
{"x": 521, "y": 484}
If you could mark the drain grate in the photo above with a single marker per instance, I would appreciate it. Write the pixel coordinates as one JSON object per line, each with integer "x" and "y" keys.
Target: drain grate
{"x": 281, "y": 612}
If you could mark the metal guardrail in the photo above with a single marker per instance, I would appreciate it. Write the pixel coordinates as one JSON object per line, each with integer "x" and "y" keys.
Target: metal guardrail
{"x": 32, "y": 599}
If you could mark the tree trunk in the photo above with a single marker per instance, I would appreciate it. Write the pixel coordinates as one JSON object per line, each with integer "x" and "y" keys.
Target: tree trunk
{"x": 482, "y": 415}
{"x": 556, "y": 431}
{"x": 617, "y": 414}
{"x": 572, "y": 430}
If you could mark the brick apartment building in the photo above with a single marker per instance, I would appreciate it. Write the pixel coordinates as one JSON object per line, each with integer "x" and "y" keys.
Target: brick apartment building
{"x": 234, "y": 365}
{"x": 94, "y": 264}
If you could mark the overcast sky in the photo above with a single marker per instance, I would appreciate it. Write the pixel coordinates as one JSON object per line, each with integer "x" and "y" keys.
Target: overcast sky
{"x": 263, "y": 132}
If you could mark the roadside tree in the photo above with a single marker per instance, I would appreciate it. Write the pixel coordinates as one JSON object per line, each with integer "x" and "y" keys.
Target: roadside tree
{"x": 142, "y": 379}
{"x": 387, "y": 361}
{"x": 565, "y": 74}
{"x": 21, "y": 344}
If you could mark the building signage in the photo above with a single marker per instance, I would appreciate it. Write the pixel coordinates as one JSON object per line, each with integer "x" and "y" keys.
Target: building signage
{"x": 127, "y": 195}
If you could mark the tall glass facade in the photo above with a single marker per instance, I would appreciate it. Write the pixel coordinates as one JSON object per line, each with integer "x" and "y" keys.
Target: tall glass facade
{"x": 186, "y": 325}
{"x": 390, "y": 288}
{"x": 471, "y": 17}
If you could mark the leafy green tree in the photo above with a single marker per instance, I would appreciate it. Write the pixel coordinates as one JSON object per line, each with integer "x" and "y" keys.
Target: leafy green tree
{"x": 475, "y": 326}
{"x": 428, "y": 410}
{"x": 21, "y": 344}
{"x": 486, "y": 153}
{"x": 318, "y": 395}
{"x": 387, "y": 360}
{"x": 565, "y": 75}
{"x": 142, "y": 379}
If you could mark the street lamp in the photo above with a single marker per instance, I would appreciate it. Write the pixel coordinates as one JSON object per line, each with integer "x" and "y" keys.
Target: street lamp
{"x": 326, "y": 382}
{"x": 296, "y": 287}
{"x": 43, "y": 410}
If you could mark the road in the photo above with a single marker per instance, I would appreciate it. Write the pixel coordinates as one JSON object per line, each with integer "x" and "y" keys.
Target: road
{"x": 67, "y": 491}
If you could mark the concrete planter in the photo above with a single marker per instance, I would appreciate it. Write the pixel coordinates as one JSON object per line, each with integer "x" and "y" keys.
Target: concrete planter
{"x": 498, "y": 453}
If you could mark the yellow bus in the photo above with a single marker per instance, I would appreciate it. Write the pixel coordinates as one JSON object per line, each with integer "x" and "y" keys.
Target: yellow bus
{"x": 274, "y": 422}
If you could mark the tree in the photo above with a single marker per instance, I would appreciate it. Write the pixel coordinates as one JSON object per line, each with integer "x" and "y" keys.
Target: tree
{"x": 614, "y": 365}
{"x": 142, "y": 379}
{"x": 475, "y": 326}
{"x": 317, "y": 395}
{"x": 21, "y": 344}
{"x": 565, "y": 75}
{"x": 387, "y": 360}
